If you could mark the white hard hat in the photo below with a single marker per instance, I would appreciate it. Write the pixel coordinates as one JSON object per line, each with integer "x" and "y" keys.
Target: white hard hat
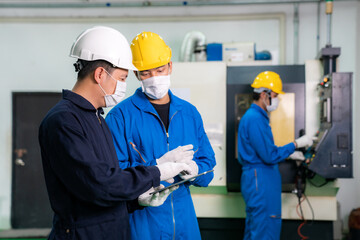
{"x": 103, "y": 43}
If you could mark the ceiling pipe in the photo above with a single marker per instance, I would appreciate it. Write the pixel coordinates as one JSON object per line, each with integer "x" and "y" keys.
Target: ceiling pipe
{"x": 193, "y": 41}
{"x": 296, "y": 33}
{"x": 88, "y": 4}
{"x": 329, "y": 9}
{"x": 318, "y": 29}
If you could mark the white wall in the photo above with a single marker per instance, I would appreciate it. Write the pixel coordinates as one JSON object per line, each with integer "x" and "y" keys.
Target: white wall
{"x": 348, "y": 39}
{"x": 34, "y": 53}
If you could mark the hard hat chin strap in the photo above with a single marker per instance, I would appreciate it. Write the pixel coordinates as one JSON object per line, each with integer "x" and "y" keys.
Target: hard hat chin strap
{"x": 268, "y": 93}
{"x": 79, "y": 65}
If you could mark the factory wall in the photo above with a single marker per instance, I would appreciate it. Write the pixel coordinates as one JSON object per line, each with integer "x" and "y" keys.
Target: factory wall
{"x": 349, "y": 193}
{"x": 35, "y": 44}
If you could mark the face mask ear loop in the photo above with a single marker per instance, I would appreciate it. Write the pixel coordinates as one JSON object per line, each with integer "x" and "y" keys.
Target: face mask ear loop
{"x": 269, "y": 95}
{"x": 141, "y": 83}
{"x": 102, "y": 89}
{"x": 110, "y": 76}
{"x": 112, "y": 79}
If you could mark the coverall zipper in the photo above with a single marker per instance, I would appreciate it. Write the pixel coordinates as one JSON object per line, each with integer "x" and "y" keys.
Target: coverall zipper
{"x": 172, "y": 194}
{"x": 168, "y": 149}
{"x": 96, "y": 113}
{"x": 256, "y": 180}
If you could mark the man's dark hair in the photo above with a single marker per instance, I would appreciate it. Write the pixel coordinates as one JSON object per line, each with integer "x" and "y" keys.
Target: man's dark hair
{"x": 256, "y": 96}
{"x": 84, "y": 68}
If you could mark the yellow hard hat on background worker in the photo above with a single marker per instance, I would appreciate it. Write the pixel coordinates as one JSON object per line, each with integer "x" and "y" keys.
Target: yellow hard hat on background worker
{"x": 149, "y": 51}
{"x": 269, "y": 80}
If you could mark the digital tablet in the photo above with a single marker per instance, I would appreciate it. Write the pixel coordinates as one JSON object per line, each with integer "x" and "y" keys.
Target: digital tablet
{"x": 182, "y": 181}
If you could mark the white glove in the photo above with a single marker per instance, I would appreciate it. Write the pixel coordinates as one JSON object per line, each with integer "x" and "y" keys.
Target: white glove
{"x": 194, "y": 171}
{"x": 179, "y": 154}
{"x": 154, "y": 200}
{"x": 304, "y": 141}
{"x": 169, "y": 170}
{"x": 297, "y": 155}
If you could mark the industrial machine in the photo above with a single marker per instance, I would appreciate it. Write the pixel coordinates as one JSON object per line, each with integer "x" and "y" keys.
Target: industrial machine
{"x": 331, "y": 155}
{"x": 238, "y": 100}
{"x": 318, "y": 102}
{"x": 222, "y": 94}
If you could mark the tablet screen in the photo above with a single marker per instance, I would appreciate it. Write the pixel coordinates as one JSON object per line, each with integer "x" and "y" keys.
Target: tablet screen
{"x": 182, "y": 181}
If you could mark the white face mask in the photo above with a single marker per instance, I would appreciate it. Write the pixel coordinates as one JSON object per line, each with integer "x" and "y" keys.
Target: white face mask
{"x": 274, "y": 104}
{"x": 156, "y": 87}
{"x": 117, "y": 96}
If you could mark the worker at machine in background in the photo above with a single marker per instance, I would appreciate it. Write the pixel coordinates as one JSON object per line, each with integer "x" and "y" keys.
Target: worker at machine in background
{"x": 89, "y": 194}
{"x": 259, "y": 157}
{"x": 152, "y": 122}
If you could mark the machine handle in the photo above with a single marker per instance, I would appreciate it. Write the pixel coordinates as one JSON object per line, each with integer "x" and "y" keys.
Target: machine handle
{"x": 19, "y": 155}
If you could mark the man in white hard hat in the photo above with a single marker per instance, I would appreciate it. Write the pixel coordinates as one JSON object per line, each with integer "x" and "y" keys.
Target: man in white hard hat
{"x": 89, "y": 194}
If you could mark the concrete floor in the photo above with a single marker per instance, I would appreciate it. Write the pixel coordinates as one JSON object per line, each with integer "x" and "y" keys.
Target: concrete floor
{"x": 32, "y": 233}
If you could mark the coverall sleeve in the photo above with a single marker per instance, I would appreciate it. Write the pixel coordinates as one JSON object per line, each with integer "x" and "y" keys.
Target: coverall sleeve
{"x": 117, "y": 129}
{"x": 133, "y": 205}
{"x": 261, "y": 139}
{"x": 86, "y": 176}
{"x": 204, "y": 155}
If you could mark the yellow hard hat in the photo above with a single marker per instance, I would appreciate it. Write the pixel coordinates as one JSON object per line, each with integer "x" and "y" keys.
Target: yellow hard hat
{"x": 269, "y": 80}
{"x": 149, "y": 51}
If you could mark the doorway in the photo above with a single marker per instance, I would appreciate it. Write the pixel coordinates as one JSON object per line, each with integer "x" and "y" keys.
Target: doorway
{"x": 30, "y": 206}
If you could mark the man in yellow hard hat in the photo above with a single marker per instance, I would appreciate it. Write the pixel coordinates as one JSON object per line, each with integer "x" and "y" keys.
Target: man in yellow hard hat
{"x": 89, "y": 194}
{"x": 149, "y": 124}
{"x": 259, "y": 157}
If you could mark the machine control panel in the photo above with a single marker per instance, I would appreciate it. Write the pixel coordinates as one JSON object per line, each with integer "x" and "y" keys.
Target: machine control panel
{"x": 331, "y": 154}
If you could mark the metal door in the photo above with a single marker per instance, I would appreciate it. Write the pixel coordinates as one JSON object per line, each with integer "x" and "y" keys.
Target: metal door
{"x": 30, "y": 203}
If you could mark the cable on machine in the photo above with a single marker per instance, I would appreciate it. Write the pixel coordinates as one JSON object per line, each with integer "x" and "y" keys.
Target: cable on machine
{"x": 301, "y": 215}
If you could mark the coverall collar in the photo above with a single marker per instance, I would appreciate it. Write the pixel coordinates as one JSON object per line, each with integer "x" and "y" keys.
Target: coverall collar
{"x": 80, "y": 101}
{"x": 260, "y": 110}
{"x": 141, "y": 101}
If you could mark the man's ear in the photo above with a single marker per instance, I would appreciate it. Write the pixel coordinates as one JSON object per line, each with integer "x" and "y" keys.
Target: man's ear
{"x": 99, "y": 74}
{"x": 137, "y": 75}
{"x": 263, "y": 95}
{"x": 170, "y": 67}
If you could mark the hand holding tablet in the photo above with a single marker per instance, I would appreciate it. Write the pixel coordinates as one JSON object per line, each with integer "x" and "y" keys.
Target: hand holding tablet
{"x": 181, "y": 182}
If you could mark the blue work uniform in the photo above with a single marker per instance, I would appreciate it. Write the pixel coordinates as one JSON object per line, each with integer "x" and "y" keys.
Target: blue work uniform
{"x": 140, "y": 138}
{"x": 261, "y": 179}
{"x": 89, "y": 194}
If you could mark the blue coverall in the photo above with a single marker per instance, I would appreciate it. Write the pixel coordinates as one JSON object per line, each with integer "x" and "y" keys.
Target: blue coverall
{"x": 89, "y": 194}
{"x": 261, "y": 179}
{"x": 140, "y": 138}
